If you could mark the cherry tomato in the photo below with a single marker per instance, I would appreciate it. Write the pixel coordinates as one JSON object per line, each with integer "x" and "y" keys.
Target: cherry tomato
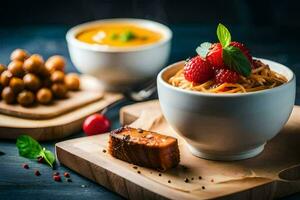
{"x": 96, "y": 124}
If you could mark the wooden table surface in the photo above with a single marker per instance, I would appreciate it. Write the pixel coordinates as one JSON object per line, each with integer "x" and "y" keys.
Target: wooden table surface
{"x": 18, "y": 183}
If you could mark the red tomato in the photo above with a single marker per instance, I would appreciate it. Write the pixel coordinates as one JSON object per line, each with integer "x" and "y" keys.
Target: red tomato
{"x": 96, "y": 124}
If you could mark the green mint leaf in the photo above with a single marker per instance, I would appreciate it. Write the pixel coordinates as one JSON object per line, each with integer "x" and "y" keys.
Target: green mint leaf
{"x": 28, "y": 147}
{"x": 114, "y": 36}
{"x": 48, "y": 157}
{"x": 223, "y": 35}
{"x": 234, "y": 58}
{"x": 126, "y": 36}
{"x": 203, "y": 49}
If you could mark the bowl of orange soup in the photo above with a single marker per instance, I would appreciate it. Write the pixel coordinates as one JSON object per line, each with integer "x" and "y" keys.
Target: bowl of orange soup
{"x": 119, "y": 52}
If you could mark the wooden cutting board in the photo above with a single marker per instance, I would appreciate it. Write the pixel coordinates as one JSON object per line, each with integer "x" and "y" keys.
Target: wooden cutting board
{"x": 66, "y": 115}
{"x": 87, "y": 94}
{"x": 274, "y": 173}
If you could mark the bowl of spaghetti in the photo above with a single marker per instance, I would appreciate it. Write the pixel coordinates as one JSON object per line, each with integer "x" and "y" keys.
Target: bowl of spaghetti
{"x": 232, "y": 113}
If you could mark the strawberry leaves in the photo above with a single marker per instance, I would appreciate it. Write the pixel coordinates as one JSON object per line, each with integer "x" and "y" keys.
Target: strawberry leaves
{"x": 224, "y": 35}
{"x": 233, "y": 57}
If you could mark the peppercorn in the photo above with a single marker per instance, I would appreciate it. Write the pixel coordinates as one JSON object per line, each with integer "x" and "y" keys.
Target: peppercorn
{"x": 104, "y": 151}
{"x": 169, "y": 181}
{"x": 55, "y": 173}
{"x": 57, "y": 178}
{"x": 66, "y": 174}
{"x": 37, "y": 173}
{"x": 40, "y": 159}
{"x": 135, "y": 167}
{"x": 212, "y": 180}
{"x": 200, "y": 177}
{"x": 203, "y": 188}
{"x": 25, "y": 166}
{"x": 186, "y": 180}
{"x": 68, "y": 180}
{"x": 138, "y": 172}
{"x": 159, "y": 174}
{"x": 192, "y": 178}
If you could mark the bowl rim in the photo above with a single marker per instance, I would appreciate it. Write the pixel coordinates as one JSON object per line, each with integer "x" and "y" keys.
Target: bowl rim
{"x": 72, "y": 32}
{"x": 160, "y": 80}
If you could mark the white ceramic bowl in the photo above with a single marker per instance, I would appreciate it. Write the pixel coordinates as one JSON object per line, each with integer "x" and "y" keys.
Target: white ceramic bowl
{"x": 226, "y": 126}
{"x": 118, "y": 67}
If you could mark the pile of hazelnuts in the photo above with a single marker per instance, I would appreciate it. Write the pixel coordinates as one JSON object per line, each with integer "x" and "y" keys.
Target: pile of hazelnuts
{"x": 28, "y": 79}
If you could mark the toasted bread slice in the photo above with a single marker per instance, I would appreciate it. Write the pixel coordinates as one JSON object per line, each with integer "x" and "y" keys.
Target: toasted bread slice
{"x": 144, "y": 148}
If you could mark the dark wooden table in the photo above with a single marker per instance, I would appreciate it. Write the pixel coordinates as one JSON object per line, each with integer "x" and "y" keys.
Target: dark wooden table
{"x": 18, "y": 183}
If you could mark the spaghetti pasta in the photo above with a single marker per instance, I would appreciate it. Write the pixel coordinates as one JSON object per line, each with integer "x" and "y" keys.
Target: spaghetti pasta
{"x": 261, "y": 78}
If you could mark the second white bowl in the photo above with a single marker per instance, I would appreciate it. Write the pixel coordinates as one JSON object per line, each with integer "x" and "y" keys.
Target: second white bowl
{"x": 117, "y": 67}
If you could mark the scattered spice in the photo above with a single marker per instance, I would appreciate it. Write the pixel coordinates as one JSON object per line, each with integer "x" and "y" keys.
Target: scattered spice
{"x": 184, "y": 167}
{"x": 104, "y": 151}
{"x": 66, "y": 174}
{"x": 37, "y": 173}
{"x": 40, "y": 159}
{"x": 212, "y": 180}
{"x": 55, "y": 173}
{"x": 200, "y": 177}
{"x": 169, "y": 181}
{"x": 138, "y": 172}
{"x": 186, "y": 180}
{"x": 159, "y": 174}
{"x": 135, "y": 167}
{"x": 68, "y": 179}
{"x": 192, "y": 178}
{"x": 57, "y": 178}
{"x": 25, "y": 166}
{"x": 203, "y": 188}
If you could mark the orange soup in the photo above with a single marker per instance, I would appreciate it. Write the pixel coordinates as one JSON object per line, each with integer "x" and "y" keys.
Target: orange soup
{"x": 119, "y": 35}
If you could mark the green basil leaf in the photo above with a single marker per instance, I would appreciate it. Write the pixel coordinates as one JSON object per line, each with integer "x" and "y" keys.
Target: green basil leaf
{"x": 126, "y": 36}
{"x": 234, "y": 58}
{"x": 28, "y": 147}
{"x": 48, "y": 156}
{"x": 203, "y": 49}
{"x": 223, "y": 35}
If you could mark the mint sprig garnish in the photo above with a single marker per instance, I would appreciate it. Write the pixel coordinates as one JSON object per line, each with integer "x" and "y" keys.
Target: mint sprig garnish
{"x": 30, "y": 148}
{"x": 224, "y": 35}
{"x": 233, "y": 57}
{"x": 203, "y": 49}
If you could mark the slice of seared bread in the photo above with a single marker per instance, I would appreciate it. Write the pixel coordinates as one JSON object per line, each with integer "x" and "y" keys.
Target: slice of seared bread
{"x": 144, "y": 148}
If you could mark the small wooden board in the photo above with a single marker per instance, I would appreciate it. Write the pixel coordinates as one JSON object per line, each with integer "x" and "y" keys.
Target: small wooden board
{"x": 87, "y": 94}
{"x": 274, "y": 173}
{"x": 90, "y": 100}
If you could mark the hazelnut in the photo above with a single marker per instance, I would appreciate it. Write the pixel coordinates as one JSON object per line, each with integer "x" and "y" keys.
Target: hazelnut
{"x": 55, "y": 63}
{"x": 59, "y": 90}
{"x": 32, "y": 82}
{"x": 16, "y": 84}
{"x": 57, "y": 77}
{"x": 25, "y": 98}
{"x": 33, "y": 64}
{"x": 5, "y": 77}
{"x": 8, "y": 95}
{"x": 44, "y": 96}
{"x": 16, "y": 68}
{"x": 72, "y": 81}
{"x": 19, "y": 54}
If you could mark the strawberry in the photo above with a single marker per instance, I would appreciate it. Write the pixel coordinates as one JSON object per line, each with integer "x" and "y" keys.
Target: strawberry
{"x": 197, "y": 70}
{"x": 226, "y": 76}
{"x": 214, "y": 56}
{"x": 244, "y": 49}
